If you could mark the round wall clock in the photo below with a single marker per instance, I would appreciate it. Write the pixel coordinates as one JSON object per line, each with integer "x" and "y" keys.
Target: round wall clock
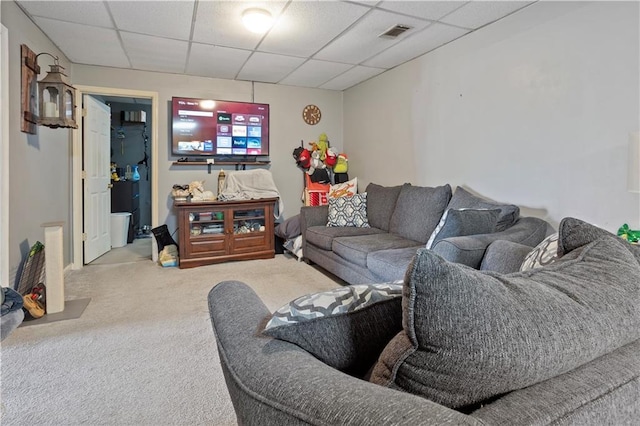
{"x": 311, "y": 114}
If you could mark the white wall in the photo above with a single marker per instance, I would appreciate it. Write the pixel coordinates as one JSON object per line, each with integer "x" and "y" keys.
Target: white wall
{"x": 40, "y": 164}
{"x": 534, "y": 109}
{"x": 286, "y": 125}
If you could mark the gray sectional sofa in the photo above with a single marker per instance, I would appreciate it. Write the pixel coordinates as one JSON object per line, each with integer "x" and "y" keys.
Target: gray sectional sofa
{"x": 556, "y": 345}
{"x": 402, "y": 219}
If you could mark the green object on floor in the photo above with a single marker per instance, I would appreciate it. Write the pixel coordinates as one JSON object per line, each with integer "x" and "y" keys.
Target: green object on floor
{"x": 629, "y": 234}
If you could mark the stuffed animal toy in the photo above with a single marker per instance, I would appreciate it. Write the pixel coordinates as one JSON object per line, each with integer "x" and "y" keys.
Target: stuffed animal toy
{"x": 302, "y": 157}
{"x": 341, "y": 164}
{"x": 114, "y": 173}
{"x": 323, "y": 145}
{"x": 331, "y": 158}
{"x": 196, "y": 189}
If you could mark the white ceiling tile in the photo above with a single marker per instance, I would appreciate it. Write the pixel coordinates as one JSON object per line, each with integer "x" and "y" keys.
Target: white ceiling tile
{"x": 433, "y": 10}
{"x": 215, "y": 61}
{"x": 269, "y": 68}
{"x": 86, "y": 12}
{"x": 155, "y": 53}
{"x": 78, "y": 42}
{"x": 328, "y": 18}
{"x": 352, "y": 77}
{"x": 418, "y": 44}
{"x": 154, "y": 35}
{"x": 171, "y": 19}
{"x": 314, "y": 73}
{"x": 475, "y": 14}
{"x": 362, "y": 42}
{"x": 220, "y": 22}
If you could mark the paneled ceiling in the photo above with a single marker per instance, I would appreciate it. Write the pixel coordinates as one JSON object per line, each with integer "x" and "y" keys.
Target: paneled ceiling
{"x": 323, "y": 44}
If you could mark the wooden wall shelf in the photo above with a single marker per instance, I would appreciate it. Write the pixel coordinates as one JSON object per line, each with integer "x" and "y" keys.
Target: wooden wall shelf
{"x": 238, "y": 164}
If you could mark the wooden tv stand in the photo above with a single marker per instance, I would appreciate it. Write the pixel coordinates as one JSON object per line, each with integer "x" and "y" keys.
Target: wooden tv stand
{"x": 218, "y": 231}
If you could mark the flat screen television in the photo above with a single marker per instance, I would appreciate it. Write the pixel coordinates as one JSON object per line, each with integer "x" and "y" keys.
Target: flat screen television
{"x": 219, "y": 129}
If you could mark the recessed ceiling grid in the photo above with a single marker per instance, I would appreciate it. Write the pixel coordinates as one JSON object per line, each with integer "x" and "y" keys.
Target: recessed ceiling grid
{"x": 323, "y": 44}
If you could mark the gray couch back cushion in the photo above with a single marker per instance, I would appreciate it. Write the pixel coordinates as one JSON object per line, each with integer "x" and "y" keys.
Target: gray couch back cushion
{"x": 462, "y": 198}
{"x": 575, "y": 233}
{"x": 418, "y": 211}
{"x": 469, "y": 336}
{"x": 381, "y": 200}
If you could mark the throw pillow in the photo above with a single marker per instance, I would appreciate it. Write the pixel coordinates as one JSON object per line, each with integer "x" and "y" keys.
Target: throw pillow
{"x": 346, "y": 328}
{"x": 288, "y": 229}
{"x": 346, "y": 189}
{"x": 348, "y": 211}
{"x": 461, "y": 222}
{"x": 469, "y": 335}
{"x": 543, "y": 254}
{"x": 462, "y": 198}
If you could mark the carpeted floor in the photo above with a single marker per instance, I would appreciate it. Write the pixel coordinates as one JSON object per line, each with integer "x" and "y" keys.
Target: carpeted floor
{"x": 139, "y": 249}
{"x": 143, "y": 352}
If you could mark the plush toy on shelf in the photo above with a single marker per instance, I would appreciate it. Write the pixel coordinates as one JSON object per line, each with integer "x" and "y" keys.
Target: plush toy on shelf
{"x": 331, "y": 158}
{"x": 323, "y": 145}
{"x": 342, "y": 164}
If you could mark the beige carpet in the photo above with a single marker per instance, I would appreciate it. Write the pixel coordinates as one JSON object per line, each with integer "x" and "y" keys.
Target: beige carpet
{"x": 139, "y": 249}
{"x": 143, "y": 352}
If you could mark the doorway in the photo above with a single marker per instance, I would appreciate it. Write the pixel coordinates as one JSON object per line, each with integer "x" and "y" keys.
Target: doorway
{"x": 126, "y": 100}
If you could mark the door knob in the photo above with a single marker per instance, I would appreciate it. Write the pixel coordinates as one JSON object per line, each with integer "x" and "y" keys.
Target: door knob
{"x": 110, "y": 185}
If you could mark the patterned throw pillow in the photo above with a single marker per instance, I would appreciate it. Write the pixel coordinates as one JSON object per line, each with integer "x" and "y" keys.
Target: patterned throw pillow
{"x": 462, "y": 222}
{"x": 346, "y": 328}
{"x": 543, "y": 254}
{"x": 345, "y": 189}
{"x": 348, "y": 211}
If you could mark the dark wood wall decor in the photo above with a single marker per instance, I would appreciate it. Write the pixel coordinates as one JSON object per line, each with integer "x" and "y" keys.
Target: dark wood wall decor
{"x": 30, "y": 71}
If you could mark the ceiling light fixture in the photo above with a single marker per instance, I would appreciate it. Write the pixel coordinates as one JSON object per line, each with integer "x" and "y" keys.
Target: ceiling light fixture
{"x": 257, "y": 20}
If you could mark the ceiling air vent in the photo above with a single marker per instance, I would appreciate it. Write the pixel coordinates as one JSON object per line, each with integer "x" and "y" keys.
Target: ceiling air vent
{"x": 395, "y": 31}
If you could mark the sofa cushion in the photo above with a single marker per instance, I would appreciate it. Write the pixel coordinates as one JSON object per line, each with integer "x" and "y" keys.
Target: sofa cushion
{"x": 348, "y": 211}
{"x": 469, "y": 335}
{"x": 356, "y": 249}
{"x": 381, "y": 200}
{"x": 543, "y": 254}
{"x": 462, "y": 198}
{"x": 346, "y": 328}
{"x": 418, "y": 211}
{"x": 575, "y": 233}
{"x": 461, "y": 222}
{"x": 391, "y": 264}
{"x": 322, "y": 236}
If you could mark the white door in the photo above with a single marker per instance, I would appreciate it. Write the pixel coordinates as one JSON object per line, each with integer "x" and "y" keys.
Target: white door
{"x": 97, "y": 178}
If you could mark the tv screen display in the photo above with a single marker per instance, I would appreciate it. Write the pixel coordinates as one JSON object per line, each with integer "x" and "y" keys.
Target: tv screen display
{"x": 213, "y": 128}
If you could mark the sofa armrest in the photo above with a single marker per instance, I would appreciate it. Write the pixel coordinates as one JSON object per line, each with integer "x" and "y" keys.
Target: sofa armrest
{"x": 275, "y": 382}
{"x": 312, "y": 216}
{"x": 504, "y": 256}
{"x": 470, "y": 250}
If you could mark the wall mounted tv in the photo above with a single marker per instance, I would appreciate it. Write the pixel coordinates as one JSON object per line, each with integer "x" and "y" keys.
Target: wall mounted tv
{"x": 219, "y": 129}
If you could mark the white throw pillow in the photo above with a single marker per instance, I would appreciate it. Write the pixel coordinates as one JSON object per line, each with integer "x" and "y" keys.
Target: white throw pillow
{"x": 345, "y": 189}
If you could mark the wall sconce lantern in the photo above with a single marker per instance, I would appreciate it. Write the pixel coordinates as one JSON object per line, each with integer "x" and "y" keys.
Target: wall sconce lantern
{"x": 53, "y": 95}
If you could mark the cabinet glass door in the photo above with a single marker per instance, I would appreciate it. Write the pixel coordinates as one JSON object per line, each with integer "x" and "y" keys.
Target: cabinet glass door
{"x": 249, "y": 221}
{"x": 210, "y": 222}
